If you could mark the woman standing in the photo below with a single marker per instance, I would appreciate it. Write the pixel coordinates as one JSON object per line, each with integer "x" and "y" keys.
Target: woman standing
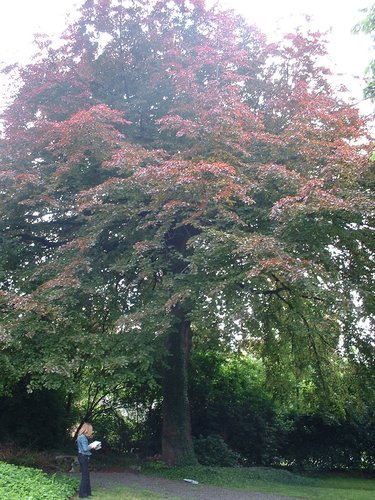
{"x": 84, "y": 452}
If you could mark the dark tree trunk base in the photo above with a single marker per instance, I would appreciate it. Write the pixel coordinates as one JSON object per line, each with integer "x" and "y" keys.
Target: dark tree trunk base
{"x": 177, "y": 445}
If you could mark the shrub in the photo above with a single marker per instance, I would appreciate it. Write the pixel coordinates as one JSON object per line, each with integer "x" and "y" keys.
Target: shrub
{"x": 46, "y": 422}
{"x": 320, "y": 443}
{"x": 213, "y": 450}
{"x": 228, "y": 398}
{"x": 22, "y": 483}
{"x": 114, "y": 430}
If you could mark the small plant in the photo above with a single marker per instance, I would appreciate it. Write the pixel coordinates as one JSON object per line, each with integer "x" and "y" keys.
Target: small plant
{"x": 23, "y": 483}
{"x": 213, "y": 450}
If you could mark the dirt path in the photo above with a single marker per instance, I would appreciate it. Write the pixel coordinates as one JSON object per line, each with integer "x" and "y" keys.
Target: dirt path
{"x": 171, "y": 488}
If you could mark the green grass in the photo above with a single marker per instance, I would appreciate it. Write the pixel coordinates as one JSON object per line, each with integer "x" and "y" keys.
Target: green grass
{"x": 19, "y": 483}
{"x": 124, "y": 493}
{"x": 267, "y": 480}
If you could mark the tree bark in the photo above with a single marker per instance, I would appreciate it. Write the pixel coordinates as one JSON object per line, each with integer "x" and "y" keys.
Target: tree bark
{"x": 177, "y": 445}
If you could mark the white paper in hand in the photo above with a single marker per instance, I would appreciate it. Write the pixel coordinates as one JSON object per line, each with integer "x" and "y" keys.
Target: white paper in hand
{"x": 96, "y": 445}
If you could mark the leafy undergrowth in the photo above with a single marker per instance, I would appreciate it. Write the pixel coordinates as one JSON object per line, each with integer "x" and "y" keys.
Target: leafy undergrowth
{"x": 277, "y": 481}
{"x": 16, "y": 455}
{"x": 23, "y": 483}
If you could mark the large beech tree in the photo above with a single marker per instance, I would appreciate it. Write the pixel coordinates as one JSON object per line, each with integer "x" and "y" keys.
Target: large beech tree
{"x": 165, "y": 173}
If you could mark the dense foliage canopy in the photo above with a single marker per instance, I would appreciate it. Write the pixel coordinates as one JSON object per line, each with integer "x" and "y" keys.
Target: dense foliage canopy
{"x": 169, "y": 177}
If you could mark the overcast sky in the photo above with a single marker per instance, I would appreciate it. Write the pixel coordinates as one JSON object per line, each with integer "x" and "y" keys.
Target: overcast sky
{"x": 349, "y": 54}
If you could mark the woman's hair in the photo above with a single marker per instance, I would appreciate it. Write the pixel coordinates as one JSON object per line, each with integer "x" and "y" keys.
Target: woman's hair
{"x": 85, "y": 429}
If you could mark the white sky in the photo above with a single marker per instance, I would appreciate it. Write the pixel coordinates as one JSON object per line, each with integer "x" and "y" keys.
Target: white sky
{"x": 349, "y": 54}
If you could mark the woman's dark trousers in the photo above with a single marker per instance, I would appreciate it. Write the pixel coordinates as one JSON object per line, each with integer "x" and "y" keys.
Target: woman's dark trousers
{"x": 85, "y": 486}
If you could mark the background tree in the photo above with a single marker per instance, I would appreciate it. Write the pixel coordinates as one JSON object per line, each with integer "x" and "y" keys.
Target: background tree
{"x": 368, "y": 26}
{"x": 228, "y": 398}
{"x": 167, "y": 174}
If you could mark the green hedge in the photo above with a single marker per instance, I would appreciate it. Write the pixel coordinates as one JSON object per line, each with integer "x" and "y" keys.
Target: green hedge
{"x": 23, "y": 483}
{"x": 213, "y": 451}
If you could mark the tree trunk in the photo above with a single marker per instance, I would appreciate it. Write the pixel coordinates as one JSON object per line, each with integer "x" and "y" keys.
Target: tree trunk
{"x": 177, "y": 445}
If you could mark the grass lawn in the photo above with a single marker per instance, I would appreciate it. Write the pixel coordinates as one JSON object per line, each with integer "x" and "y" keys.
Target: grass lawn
{"x": 123, "y": 493}
{"x": 281, "y": 482}
{"x": 257, "y": 479}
